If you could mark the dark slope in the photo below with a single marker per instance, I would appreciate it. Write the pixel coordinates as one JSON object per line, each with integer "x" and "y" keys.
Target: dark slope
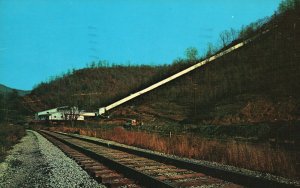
{"x": 4, "y": 90}
{"x": 91, "y": 88}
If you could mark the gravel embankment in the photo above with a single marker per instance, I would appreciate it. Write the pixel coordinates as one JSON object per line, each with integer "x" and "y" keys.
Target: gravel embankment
{"x": 35, "y": 162}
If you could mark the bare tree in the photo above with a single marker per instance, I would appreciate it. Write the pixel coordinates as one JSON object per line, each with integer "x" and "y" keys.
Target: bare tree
{"x": 287, "y": 4}
{"x": 224, "y": 37}
{"x": 71, "y": 115}
{"x": 191, "y": 53}
{"x": 210, "y": 49}
{"x": 228, "y": 36}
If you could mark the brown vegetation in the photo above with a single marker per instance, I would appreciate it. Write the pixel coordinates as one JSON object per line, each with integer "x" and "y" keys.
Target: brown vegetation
{"x": 92, "y": 87}
{"x": 9, "y": 135}
{"x": 259, "y": 157}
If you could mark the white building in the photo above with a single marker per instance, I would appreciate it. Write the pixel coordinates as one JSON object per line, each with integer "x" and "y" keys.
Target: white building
{"x": 60, "y": 114}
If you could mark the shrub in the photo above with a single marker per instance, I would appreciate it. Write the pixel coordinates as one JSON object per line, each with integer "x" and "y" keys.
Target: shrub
{"x": 9, "y": 135}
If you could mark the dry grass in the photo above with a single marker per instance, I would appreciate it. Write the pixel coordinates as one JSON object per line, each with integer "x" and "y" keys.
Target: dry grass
{"x": 259, "y": 157}
{"x": 9, "y": 135}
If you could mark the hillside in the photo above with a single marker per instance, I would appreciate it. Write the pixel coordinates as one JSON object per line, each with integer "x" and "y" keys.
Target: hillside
{"x": 11, "y": 106}
{"x": 4, "y": 90}
{"x": 256, "y": 84}
{"x": 92, "y": 87}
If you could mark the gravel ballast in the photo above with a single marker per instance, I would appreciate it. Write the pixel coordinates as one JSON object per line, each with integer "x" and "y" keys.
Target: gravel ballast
{"x": 35, "y": 162}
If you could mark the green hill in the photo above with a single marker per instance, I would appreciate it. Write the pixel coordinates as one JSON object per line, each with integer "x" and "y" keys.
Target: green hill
{"x": 4, "y": 90}
{"x": 11, "y": 106}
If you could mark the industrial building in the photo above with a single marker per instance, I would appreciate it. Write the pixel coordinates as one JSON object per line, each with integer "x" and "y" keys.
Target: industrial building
{"x": 61, "y": 114}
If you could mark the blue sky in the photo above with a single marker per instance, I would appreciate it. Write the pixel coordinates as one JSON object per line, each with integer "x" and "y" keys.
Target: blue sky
{"x": 43, "y": 38}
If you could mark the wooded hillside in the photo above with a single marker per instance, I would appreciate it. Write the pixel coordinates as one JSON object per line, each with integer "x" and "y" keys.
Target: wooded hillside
{"x": 258, "y": 83}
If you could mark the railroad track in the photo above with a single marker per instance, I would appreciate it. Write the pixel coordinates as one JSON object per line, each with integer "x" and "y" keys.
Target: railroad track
{"x": 117, "y": 166}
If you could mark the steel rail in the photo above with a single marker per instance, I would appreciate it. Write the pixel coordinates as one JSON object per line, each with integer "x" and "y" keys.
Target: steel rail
{"x": 224, "y": 174}
{"x": 129, "y": 172}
